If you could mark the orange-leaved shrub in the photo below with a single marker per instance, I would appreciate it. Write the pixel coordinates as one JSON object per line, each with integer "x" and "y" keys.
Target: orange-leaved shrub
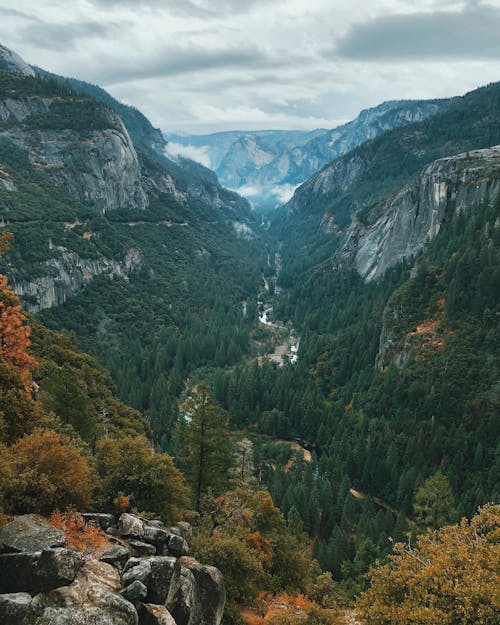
{"x": 450, "y": 577}
{"x": 79, "y": 534}
{"x": 43, "y": 471}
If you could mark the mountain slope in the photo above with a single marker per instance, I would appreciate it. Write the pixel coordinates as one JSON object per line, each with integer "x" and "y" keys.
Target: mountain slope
{"x": 323, "y": 208}
{"x": 148, "y": 260}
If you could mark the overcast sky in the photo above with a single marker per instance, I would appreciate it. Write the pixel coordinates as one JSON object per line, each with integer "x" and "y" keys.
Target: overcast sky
{"x": 206, "y": 65}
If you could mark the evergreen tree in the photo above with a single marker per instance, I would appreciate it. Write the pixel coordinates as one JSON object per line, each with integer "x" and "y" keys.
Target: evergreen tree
{"x": 210, "y": 451}
{"x": 434, "y": 502}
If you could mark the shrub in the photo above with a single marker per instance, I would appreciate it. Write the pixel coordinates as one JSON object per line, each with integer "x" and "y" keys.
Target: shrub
{"x": 449, "y": 578}
{"x": 44, "y": 471}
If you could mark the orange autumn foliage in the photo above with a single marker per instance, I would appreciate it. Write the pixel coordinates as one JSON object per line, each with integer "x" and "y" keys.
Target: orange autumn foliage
{"x": 79, "y": 534}
{"x": 14, "y": 333}
{"x": 449, "y": 577}
{"x": 262, "y": 546}
{"x": 42, "y": 472}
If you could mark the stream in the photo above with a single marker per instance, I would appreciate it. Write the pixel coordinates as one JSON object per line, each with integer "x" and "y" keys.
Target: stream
{"x": 287, "y": 341}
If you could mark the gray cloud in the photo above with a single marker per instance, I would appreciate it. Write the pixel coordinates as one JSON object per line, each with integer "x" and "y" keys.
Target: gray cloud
{"x": 173, "y": 61}
{"x": 199, "y": 8}
{"x": 63, "y": 35}
{"x": 473, "y": 33}
{"x": 16, "y": 13}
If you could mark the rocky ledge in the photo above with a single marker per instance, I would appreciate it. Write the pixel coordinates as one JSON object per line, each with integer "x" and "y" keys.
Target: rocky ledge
{"x": 145, "y": 577}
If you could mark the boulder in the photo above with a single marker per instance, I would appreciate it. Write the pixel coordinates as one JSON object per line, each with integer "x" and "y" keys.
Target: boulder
{"x": 14, "y": 608}
{"x": 100, "y": 606}
{"x": 156, "y": 536}
{"x": 165, "y": 573}
{"x": 39, "y": 571}
{"x": 177, "y": 546}
{"x": 30, "y": 532}
{"x": 130, "y": 525}
{"x": 92, "y": 598}
{"x": 141, "y": 572}
{"x": 134, "y": 592}
{"x": 183, "y": 601}
{"x": 157, "y": 523}
{"x": 104, "y": 521}
{"x": 211, "y": 590}
{"x": 117, "y": 556}
{"x": 140, "y": 549}
{"x": 151, "y": 614}
{"x": 186, "y": 530}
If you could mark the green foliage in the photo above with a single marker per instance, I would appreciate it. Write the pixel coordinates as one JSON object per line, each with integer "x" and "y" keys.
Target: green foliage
{"x": 210, "y": 452}
{"x": 128, "y": 467}
{"x": 434, "y": 502}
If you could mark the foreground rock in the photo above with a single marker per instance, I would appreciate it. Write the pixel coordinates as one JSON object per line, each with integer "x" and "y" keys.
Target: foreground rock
{"x": 56, "y": 586}
{"x": 31, "y": 532}
{"x": 38, "y": 571}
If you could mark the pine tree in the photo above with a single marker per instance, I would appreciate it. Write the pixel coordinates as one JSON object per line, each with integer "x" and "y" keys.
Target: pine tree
{"x": 434, "y": 502}
{"x": 210, "y": 450}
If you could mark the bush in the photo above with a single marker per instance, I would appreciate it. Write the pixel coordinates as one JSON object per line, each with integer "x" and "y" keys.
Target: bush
{"x": 150, "y": 482}
{"x": 43, "y": 471}
{"x": 449, "y": 578}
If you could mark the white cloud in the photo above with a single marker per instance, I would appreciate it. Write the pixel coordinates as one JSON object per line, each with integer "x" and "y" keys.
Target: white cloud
{"x": 198, "y": 154}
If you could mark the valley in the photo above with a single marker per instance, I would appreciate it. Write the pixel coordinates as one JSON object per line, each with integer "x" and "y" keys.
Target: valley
{"x": 308, "y": 384}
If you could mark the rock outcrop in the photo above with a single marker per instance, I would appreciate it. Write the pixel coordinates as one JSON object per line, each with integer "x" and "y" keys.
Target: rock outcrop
{"x": 402, "y": 224}
{"x": 58, "y": 586}
{"x": 66, "y": 274}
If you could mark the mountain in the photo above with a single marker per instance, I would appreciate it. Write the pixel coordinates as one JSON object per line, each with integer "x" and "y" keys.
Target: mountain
{"x": 322, "y": 213}
{"x": 266, "y": 166}
{"x": 147, "y": 255}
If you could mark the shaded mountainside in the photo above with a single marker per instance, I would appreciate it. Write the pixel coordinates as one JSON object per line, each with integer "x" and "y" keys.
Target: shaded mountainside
{"x": 142, "y": 256}
{"x": 267, "y": 165}
{"x": 323, "y": 208}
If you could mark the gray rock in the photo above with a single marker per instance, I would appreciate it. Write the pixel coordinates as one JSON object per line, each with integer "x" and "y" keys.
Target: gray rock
{"x": 178, "y": 546}
{"x": 104, "y": 521}
{"x": 39, "y": 571}
{"x": 183, "y": 601}
{"x": 130, "y": 525}
{"x": 141, "y": 572}
{"x": 31, "y": 532}
{"x": 151, "y": 614}
{"x": 165, "y": 573}
{"x": 117, "y": 556}
{"x": 157, "y": 523}
{"x": 134, "y": 592}
{"x": 101, "y": 607}
{"x": 14, "y": 608}
{"x": 186, "y": 530}
{"x": 139, "y": 549}
{"x": 211, "y": 591}
{"x": 156, "y": 536}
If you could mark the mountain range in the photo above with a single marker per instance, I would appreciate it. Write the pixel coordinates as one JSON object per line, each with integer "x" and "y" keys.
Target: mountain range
{"x": 266, "y": 166}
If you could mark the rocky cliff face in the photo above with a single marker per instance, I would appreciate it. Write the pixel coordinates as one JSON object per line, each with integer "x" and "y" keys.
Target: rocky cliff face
{"x": 67, "y": 274}
{"x": 99, "y": 166}
{"x": 401, "y": 225}
{"x": 142, "y": 577}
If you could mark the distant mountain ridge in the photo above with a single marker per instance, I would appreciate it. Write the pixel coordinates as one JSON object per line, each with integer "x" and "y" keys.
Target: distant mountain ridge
{"x": 266, "y": 166}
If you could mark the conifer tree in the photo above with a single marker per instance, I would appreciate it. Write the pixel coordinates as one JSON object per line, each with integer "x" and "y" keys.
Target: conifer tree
{"x": 210, "y": 450}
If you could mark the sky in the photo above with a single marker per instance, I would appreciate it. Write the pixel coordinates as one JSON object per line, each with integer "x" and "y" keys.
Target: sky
{"x": 200, "y": 66}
